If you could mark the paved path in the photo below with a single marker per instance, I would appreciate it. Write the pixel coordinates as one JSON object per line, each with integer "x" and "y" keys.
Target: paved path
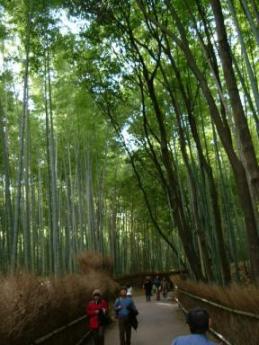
{"x": 159, "y": 323}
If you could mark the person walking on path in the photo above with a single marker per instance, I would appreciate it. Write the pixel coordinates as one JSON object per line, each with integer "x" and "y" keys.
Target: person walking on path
{"x": 129, "y": 290}
{"x": 157, "y": 285}
{"x": 148, "y": 288}
{"x": 164, "y": 287}
{"x": 124, "y": 307}
{"x": 96, "y": 311}
{"x": 199, "y": 322}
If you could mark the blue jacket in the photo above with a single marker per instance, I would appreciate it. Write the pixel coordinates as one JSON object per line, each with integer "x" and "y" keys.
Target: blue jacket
{"x": 193, "y": 339}
{"x": 123, "y": 306}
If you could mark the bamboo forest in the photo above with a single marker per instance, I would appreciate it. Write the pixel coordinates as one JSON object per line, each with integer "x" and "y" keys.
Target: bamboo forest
{"x": 130, "y": 128}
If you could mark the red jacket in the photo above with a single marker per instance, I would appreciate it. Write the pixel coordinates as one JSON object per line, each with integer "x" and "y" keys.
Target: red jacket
{"x": 93, "y": 318}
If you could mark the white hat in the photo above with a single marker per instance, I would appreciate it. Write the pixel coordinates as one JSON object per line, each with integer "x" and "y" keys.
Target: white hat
{"x": 97, "y": 292}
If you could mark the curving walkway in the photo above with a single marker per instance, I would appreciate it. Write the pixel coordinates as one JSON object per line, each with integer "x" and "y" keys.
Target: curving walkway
{"x": 159, "y": 323}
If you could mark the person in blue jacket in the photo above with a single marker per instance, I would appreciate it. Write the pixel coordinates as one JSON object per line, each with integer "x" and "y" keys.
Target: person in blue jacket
{"x": 123, "y": 307}
{"x": 199, "y": 322}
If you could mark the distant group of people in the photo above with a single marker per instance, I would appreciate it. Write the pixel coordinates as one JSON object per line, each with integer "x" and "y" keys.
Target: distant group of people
{"x": 97, "y": 311}
{"x": 156, "y": 286}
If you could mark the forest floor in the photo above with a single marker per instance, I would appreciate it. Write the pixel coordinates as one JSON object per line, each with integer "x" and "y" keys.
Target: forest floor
{"x": 159, "y": 323}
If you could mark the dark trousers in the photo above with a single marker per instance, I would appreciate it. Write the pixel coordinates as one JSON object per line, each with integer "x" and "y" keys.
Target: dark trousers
{"x": 98, "y": 336}
{"x": 148, "y": 297}
{"x": 125, "y": 331}
{"x": 158, "y": 294}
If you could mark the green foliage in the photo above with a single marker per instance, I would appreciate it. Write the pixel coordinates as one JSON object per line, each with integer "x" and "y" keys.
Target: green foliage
{"x": 99, "y": 84}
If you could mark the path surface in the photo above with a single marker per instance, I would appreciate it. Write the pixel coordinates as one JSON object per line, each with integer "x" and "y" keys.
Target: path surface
{"x": 159, "y": 323}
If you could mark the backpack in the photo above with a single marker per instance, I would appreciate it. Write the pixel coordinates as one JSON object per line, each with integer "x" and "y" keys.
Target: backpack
{"x": 103, "y": 318}
{"x": 133, "y": 317}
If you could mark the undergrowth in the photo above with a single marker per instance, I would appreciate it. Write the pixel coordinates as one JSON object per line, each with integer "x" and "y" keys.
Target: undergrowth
{"x": 33, "y": 306}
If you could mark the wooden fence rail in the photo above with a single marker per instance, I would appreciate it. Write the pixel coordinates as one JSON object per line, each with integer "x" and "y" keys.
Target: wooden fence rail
{"x": 219, "y": 306}
{"x": 48, "y": 336}
{"x": 215, "y": 333}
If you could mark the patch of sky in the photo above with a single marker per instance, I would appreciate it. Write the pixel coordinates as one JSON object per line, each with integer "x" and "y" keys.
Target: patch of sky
{"x": 128, "y": 138}
{"x": 8, "y": 61}
{"x": 119, "y": 53}
{"x": 1, "y": 63}
{"x": 1, "y": 11}
{"x": 69, "y": 24}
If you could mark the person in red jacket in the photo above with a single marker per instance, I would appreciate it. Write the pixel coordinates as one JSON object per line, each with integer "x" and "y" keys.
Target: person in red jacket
{"x": 96, "y": 310}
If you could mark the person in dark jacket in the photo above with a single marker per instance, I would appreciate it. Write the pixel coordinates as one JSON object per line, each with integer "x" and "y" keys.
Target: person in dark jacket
{"x": 95, "y": 310}
{"x": 124, "y": 308}
{"x": 164, "y": 287}
{"x": 157, "y": 286}
{"x": 148, "y": 288}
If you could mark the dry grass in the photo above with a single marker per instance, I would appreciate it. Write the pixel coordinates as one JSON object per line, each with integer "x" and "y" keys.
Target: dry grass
{"x": 239, "y": 330}
{"x": 92, "y": 261}
{"x": 32, "y": 306}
